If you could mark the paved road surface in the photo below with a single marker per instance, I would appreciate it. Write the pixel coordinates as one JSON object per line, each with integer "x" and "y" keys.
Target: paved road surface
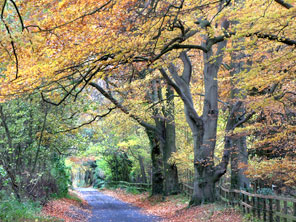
{"x": 109, "y": 209}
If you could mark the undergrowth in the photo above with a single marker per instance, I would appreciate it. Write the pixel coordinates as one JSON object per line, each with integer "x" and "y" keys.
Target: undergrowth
{"x": 14, "y": 210}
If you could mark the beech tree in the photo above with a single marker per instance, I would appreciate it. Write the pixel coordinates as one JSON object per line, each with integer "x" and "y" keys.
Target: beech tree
{"x": 71, "y": 45}
{"x": 161, "y": 134}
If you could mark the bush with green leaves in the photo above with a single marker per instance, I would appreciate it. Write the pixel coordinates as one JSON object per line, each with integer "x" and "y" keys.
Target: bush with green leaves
{"x": 265, "y": 191}
{"x": 61, "y": 175}
{"x": 32, "y": 150}
{"x": 14, "y": 210}
{"x": 119, "y": 164}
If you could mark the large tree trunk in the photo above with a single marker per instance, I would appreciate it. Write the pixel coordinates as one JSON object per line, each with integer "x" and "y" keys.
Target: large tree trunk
{"x": 236, "y": 145}
{"x": 205, "y": 138}
{"x": 239, "y": 154}
{"x": 157, "y": 165}
{"x": 166, "y": 135}
{"x": 142, "y": 167}
{"x": 170, "y": 169}
{"x": 203, "y": 128}
{"x": 155, "y": 135}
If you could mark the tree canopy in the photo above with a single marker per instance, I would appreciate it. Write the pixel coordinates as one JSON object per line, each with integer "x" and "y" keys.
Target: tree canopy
{"x": 231, "y": 64}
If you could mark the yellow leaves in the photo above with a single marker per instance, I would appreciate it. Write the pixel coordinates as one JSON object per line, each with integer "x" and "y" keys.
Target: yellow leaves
{"x": 62, "y": 4}
{"x": 281, "y": 170}
{"x": 130, "y": 143}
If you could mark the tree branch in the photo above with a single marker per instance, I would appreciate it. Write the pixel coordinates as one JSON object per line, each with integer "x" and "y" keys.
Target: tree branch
{"x": 89, "y": 122}
{"x": 83, "y": 78}
{"x": 121, "y": 107}
{"x": 187, "y": 67}
{"x": 247, "y": 117}
{"x": 19, "y": 14}
{"x": 284, "y": 4}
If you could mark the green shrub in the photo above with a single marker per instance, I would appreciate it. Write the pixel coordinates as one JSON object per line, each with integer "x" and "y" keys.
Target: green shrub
{"x": 61, "y": 175}
{"x": 13, "y": 210}
{"x": 99, "y": 183}
{"x": 265, "y": 191}
{"x": 132, "y": 190}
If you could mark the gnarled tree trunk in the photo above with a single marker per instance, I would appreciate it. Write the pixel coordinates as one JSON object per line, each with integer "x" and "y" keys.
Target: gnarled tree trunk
{"x": 157, "y": 164}
{"x": 171, "y": 184}
{"x": 239, "y": 154}
{"x": 142, "y": 167}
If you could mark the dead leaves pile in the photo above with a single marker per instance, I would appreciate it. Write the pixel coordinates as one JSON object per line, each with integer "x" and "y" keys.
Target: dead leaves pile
{"x": 172, "y": 210}
{"x": 67, "y": 210}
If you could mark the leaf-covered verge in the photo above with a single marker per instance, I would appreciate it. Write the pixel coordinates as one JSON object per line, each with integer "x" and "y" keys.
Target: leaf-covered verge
{"x": 174, "y": 208}
{"x": 69, "y": 209}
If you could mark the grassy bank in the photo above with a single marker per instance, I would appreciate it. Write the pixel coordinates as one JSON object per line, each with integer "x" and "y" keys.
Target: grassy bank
{"x": 70, "y": 208}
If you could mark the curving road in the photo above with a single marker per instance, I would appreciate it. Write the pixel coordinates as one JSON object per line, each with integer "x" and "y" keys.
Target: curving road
{"x": 109, "y": 209}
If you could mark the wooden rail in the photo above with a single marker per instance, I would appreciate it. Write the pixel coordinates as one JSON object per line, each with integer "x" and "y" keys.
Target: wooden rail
{"x": 124, "y": 184}
{"x": 267, "y": 208}
{"x": 186, "y": 189}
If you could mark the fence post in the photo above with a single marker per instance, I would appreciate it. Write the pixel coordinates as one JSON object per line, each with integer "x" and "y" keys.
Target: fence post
{"x": 258, "y": 207}
{"x": 248, "y": 202}
{"x": 278, "y": 209}
{"x": 270, "y": 210}
{"x": 264, "y": 209}
{"x": 294, "y": 206}
{"x": 236, "y": 198}
{"x": 253, "y": 206}
{"x": 244, "y": 207}
{"x": 285, "y": 210}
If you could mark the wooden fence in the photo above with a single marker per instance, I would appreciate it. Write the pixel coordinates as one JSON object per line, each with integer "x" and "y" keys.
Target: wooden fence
{"x": 186, "y": 182}
{"x": 124, "y": 184}
{"x": 267, "y": 208}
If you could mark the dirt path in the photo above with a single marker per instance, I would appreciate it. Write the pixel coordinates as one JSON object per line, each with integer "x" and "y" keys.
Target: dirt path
{"x": 109, "y": 209}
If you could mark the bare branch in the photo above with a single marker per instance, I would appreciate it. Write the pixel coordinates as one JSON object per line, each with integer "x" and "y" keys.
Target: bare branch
{"x": 121, "y": 107}
{"x": 284, "y": 4}
{"x": 89, "y": 122}
{"x": 187, "y": 67}
{"x": 3, "y": 9}
{"x": 247, "y": 117}
{"x": 74, "y": 87}
{"x": 19, "y": 14}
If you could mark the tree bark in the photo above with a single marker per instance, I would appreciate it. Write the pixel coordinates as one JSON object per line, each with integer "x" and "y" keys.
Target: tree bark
{"x": 170, "y": 169}
{"x": 206, "y": 174}
{"x": 239, "y": 154}
{"x": 142, "y": 167}
{"x": 204, "y": 128}
{"x": 157, "y": 164}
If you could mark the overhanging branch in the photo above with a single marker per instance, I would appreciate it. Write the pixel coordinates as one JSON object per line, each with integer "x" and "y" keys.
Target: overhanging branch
{"x": 89, "y": 122}
{"x": 121, "y": 107}
{"x": 284, "y": 4}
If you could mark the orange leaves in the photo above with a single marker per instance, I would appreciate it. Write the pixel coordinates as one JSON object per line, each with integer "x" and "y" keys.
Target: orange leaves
{"x": 281, "y": 171}
{"x": 175, "y": 210}
{"x": 63, "y": 34}
{"x": 67, "y": 209}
